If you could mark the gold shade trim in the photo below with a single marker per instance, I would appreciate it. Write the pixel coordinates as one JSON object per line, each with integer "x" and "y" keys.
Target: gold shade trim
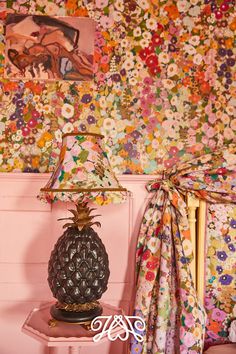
{"x": 80, "y": 133}
{"x": 84, "y": 190}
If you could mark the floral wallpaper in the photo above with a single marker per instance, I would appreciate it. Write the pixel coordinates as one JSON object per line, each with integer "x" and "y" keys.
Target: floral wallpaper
{"x": 163, "y": 88}
{"x": 220, "y": 295}
{"x": 163, "y": 91}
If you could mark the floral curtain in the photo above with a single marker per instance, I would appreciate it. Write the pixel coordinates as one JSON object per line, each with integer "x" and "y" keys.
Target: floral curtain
{"x": 166, "y": 299}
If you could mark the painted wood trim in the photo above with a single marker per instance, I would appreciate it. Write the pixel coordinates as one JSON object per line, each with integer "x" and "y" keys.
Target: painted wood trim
{"x": 44, "y": 177}
{"x": 201, "y": 239}
{"x": 16, "y": 201}
{"x": 193, "y": 204}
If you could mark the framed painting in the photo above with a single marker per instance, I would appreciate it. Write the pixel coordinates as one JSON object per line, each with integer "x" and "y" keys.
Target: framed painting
{"x": 49, "y": 48}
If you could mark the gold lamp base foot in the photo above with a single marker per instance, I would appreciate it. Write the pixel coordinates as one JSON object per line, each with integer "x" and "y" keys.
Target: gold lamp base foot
{"x": 76, "y": 313}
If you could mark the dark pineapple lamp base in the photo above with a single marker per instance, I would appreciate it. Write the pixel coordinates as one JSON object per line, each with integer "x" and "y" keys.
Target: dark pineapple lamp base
{"x": 78, "y": 270}
{"x": 75, "y": 317}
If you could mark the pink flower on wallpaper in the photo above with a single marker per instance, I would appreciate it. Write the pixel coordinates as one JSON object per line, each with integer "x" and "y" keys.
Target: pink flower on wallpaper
{"x": 198, "y": 146}
{"x": 148, "y": 81}
{"x": 191, "y": 140}
{"x": 106, "y": 21}
{"x": 205, "y": 140}
{"x": 173, "y": 150}
{"x": 163, "y": 95}
{"x": 212, "y": 97}
{"x": 167, "y": 124}
{"x": 158, "y": 102}
{"x": 153, "y": 121}
{"x": 194, "y": 123}
{"x": 212, "y": 143}
{"x": 233, "y": 124}
{"x": 151, "y": 98}
{"x": 218, "y": 315}
{"x": 105, "y": 59}
{"x": 192, "y": 131}
{"x": 212, "y": 118}
{"x": 101, "y": 3}
{"x": 210, "y": 56}
{"x": 228, "y": 133}
{"x": 149, "y": 128}
{"x": 143, "y": 103}
{"x": 100, "y": 41}
{"x": 166, "y": 104}
{"x": 100, "y": 76}
{"x": 210, "y": 132}
{"x": 208, "y": 108}
{"x": 146, "y": 112}
{"x": 146, "y": 90}
{"x": 172, "y": 29}
{"x": 205, "y": 127}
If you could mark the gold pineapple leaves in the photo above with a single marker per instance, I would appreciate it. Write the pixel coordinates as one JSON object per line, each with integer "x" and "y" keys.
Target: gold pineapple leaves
{"x": 81, "y": 217}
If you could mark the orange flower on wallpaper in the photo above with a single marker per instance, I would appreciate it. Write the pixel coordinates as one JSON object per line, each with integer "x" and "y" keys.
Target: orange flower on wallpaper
{"x": 172, "y": 11}
{"x": 199, "y": 75}
{"x": 186, "y": 81}
{"x": 205, "y": 88}
{"x": 195, "y": 98}
{"x": 207, "y": 10}
{"x": 2, "y": 15}
{"x": 10, "y": 86}
{"x": 35, "y": 88}
{"x": 82, "y": 12}
{"x": 97, "y": 56}
{"x": 71, "y": 4}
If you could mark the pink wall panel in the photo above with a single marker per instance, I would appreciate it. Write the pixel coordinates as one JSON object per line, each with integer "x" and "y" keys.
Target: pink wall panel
{"x": 29, "y": 230}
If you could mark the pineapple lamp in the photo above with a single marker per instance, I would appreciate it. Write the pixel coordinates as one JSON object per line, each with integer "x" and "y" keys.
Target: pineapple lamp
{"x": 78, "y": 268}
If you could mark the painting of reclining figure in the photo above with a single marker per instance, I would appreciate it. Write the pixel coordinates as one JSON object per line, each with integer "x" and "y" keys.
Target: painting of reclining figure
{"x": 49, "y": 48}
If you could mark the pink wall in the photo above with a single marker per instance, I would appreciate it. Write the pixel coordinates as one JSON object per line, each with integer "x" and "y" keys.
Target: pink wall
{"x": 29, "y": 230}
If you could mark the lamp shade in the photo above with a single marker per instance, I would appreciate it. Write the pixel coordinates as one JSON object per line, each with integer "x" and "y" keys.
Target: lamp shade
{"x": 83, "y": 173}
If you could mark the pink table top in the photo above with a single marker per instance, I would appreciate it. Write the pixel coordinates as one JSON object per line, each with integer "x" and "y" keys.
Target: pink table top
{"x": 222, "y": 349}
{"x": 64, "y": 334}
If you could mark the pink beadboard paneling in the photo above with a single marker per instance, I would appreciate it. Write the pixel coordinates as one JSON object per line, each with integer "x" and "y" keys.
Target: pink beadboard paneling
{"x": 29, "y": 230}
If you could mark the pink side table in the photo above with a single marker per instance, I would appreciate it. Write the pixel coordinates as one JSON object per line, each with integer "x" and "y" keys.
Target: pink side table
{"x": 73, "y": 336}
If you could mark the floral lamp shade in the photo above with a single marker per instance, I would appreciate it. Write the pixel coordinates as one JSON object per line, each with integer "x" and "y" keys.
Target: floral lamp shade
{"x": 83, "y": 173}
